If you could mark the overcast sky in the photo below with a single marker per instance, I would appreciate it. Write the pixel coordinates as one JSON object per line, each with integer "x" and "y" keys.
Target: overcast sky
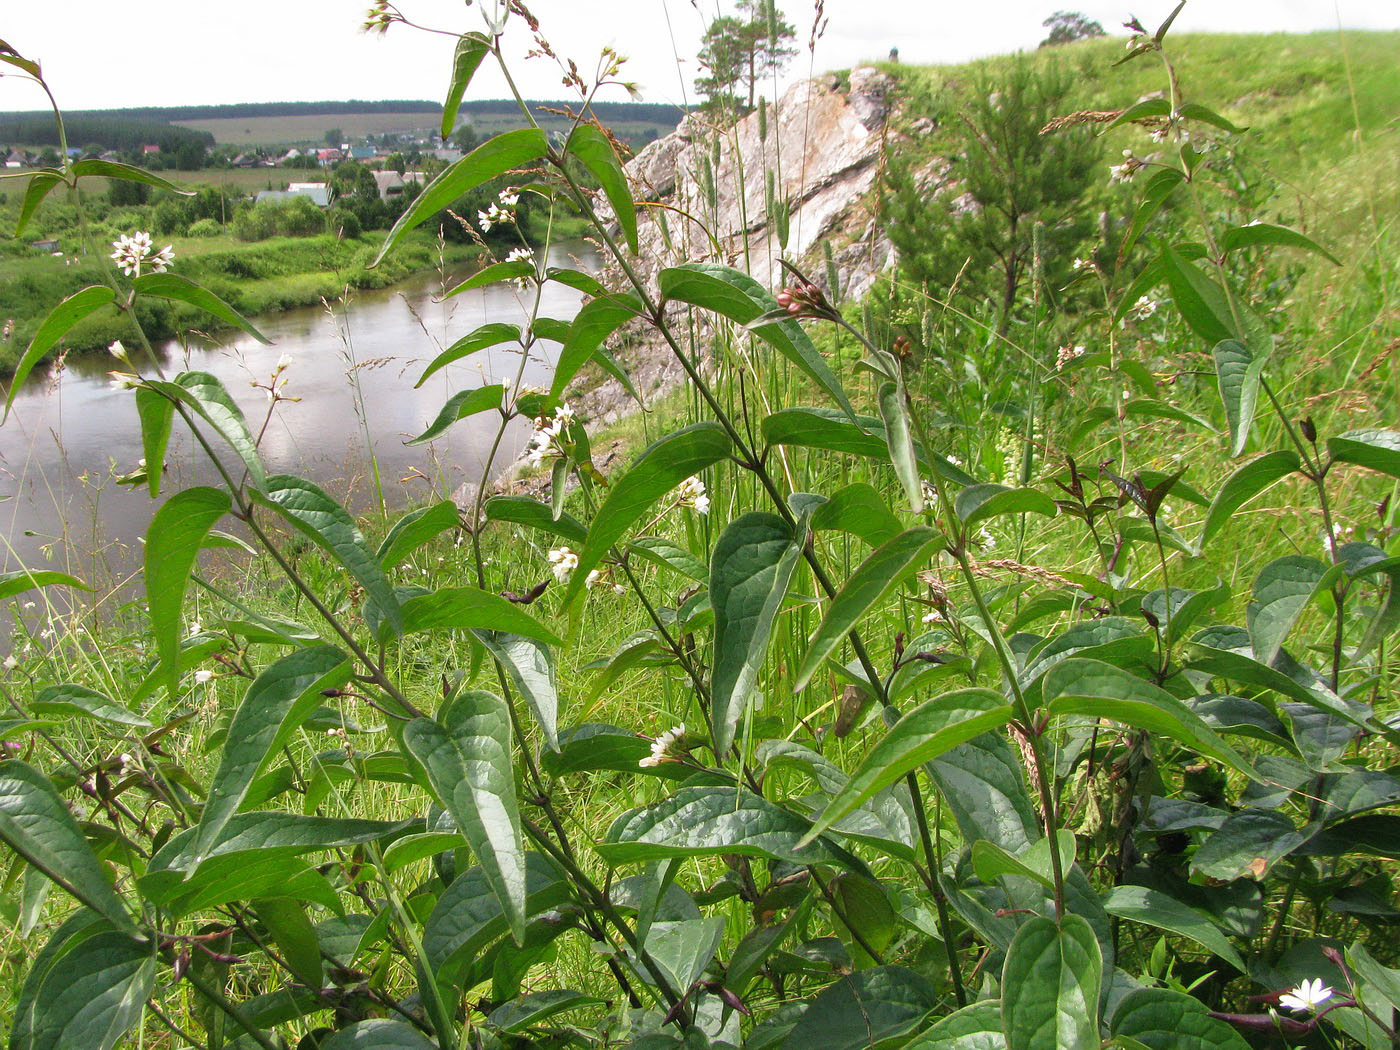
{"x": 105, "y": 54}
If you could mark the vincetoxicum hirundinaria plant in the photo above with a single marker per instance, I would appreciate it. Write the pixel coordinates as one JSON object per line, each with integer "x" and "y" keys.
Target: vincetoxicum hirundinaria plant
{"x": 918, "y": 871}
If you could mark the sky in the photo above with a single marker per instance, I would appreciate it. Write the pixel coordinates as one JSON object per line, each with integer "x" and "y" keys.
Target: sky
{"x": 97, "y": 54}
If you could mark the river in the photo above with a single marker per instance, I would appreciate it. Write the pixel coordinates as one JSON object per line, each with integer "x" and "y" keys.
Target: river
{"x": 353, "y": 366}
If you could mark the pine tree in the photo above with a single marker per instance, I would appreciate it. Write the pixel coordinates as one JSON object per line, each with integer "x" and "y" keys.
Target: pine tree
{"x": 738, "y": 51}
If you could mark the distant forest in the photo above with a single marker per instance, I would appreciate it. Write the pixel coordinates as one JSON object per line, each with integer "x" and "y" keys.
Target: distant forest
{"x": 124, "y": 129}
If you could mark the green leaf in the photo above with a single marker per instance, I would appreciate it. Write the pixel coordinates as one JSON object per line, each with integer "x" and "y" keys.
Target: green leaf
{"x": 78, "y": 701}
{"x": 1282, "y": 591}
{"x": 662, "y": 466}
{"x": 21, "y": 580}
{"x": 523, "y": 510}
{"x": 1050, "y": 986}
{"x": 591, "y": 145}
{"x": 378, "y": 1033}
{"x": 467, "y": 757}
{"x": 36, "y": 824}
{"x": 108, "y": 169}
{"x": 1155, "y": 194}
{"x": 469, "y": 607}
{"x": 1263, "y": 233}
{"x": 594, "y": 746}
{"x": 277, "y": 702}
{"x": 1147, "y": 109}
{"x": 96, "y": 996}
{"x": 1244, "y": 484}
{"x": 1247, "y": 845}
{"x": 172, "y": 544}
{"x": 1081, "y": 686}
{"x": 467, "y": 57}
{"x": 750, "y": 571}
{"x": 924, "y": 733}
{"x": 684, "y": 948}
{"x": 874, "y": 1009}
{"x": 496, "y": 156}
{"x": 205, "y": 394}
{"x": 80, "y": 925}
{"x": 459, "y": 406}
{"x": 519, "y": 1014}
{"x": 705, "y": 821}
{"x": 860, "y": 510}
{"x": 413, "y": 530}
{"x": 743, "y": 300}
{"x": 830, "y": 429}
{"x": 596, "y": 320}
{"x": 977, "y": 503}
{"x": 575, "y": 279}
{"x": 1196, "y": 111}
{"x": 664, "y": 553}
{"x": 896, "y": 419}
{"x": 41, "y": 183}
{"x": 1376, "y": 449}
{"x": 324, "y": 521}
{"x": 1162, "y": 1019}
{"x": 487, "y": 335}
{"x": 873, "y": 580}
{"x": 1155, "y": 908}
{"x": 983, "y": 784}
{"x": 991, "y": 862}
{"x": 272, "y": 832}
{"x": 530, "y": 665}
{"x": 510, "y": 270}
{"x": 156, "y": 414}
{"x": 1204, "y": 304}
{"x": 1238, "y": 375}
{"x": 974, "y": 1027}
{"x": 294, "y": 936}
{"x": 56, "y": 325}
{"x": 181, "y": 289}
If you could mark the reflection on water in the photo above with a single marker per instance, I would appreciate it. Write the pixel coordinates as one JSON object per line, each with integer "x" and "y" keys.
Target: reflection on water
{"x": 353, "y": 367}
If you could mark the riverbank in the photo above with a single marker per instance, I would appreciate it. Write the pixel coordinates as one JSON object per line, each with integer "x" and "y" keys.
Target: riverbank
{"x": 261, "y": 278}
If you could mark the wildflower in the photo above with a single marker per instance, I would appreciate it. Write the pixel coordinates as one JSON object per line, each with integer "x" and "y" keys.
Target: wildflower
{"x": 1127, "y": 170}
{"x": 562, "y": 562}
{"x": 930, "y": 493}
{"x": 934, "y": 618}
{"x": 118, "y": 351}
{"x": 1143, "y": 308}
{"x": 338, "y": 731}
{"x": 594, "y": 577}
{"x": 1082, "y": 264}
{"x": 203, "y": 675}
{"x": 1067, "y": 354}
{"x": 128, "y": 763}
{"x": 134, "y": 251}
{"x": 802, "y": 299}
{"x": 196, "y": 628}
{"x": 665, "y": 747}
{"x": 547, "y": 440}
{"x": 283, "y": 363}
{"x": 122, "y": 381}
{"x": 522, "y": 255}
{"x": 1307, "y": 997}
{"x": 499, "y": 213}
{"x": 691, "y": 493}
{"x": 377, "y": 18}
{"x": 10, "y": 662}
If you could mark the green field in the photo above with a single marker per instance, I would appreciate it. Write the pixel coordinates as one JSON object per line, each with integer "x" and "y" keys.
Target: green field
{"x": 278, "y": 131}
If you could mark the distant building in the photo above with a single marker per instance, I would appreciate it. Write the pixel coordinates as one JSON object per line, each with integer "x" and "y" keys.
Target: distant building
{"x": 44, "y": 246}
{"x": 147, "y": 151}
{"x": 362, "y": 153}
{"x": 15, "y": 159}
{"x": 317, "y": 192}
{"x": 449, "y": 155}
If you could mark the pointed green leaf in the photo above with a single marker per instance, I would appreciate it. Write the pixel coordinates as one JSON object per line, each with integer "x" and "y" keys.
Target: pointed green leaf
{"x": 414, "y": 529}
{"x": 662, "y": 466}
{"x": 492, "y": 334}
{"x": 859, "y": 510}
{"x": 1162, "y": 1019}
{"x": 1158, "y": 189}
{"x": 378, "y": 1033}
{"x": 978, "y": 503}
{"x": 1081, "y": 686}
{"x": 295, "y": 937}
{"x": 530, "y": 665}
{"x": 458, "y": 407}
{"x": 833, "y": 430}
{"x": 663, "y": 552}
{"x": 901, "y": 443}
{"x": 1148, "y": 108}
{"x": 56, "y": 325}
{"x": 984, "y": 785}
{"x": 70, "y": 700}
{"x": 519, "y": 1014}
{"x": 1196, "y": 111}
{"x": 96, "y": 996}
{"x": 496, "y": 156}
{"x": 1050, "y": 986}
{"x": 1155, "y": 908}
{"x": 468, "y": 607}
{"x": 172, "y": 545}
{"x": 21, "y": 580}
{"x": 974, "y": 1027}
{"x": 108, "y": 169}
{"x": 36, "y": 824}
{"x": 1204, "y": 305}
{"x": 467, "y": 758}
{"x": 510, "y": 270}
{"x": 1244, "y": 484}
{"x": 325, "y": 522}
{"x": 924, "y": 733}
{"x": 1376, "y": 449}
{"x": 1238, "y": 375}
{"x": 182, "y": 289}
{"x": 743, "y": 300}
{"x": 523, "y": 510}
{"x": 1247, "y": 844}
{"x": 684, "y": 948}
{"x": 591, "y": 145}
{"x": 875, "y": 1009}
{"x": 205, "y": 394}
{"x": 41, "y": 184}
{"x": 467, "y": 57}
{"x": 277, "y": 702}
{"x": 1282, "y": 591}
{"x": 596, "y": 320}
{"x": 156, "y": 414}
{"x": 750, "y": 571}
{"x": 879, "y": 574}
{"x": 1263, "y": 233}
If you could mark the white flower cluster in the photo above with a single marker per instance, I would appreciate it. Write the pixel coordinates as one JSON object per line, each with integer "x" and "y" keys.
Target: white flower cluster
{"x": 1082, "y": 264}
{"x": 522, "y": 255}
{"x": 1068, "y": 353}
{"x": 134, "y": 251}
{"x": 691, "y": 493}
{"x": 1143, "y": 309}
{"x": 598, "y": 577}
{"x": 546, "y": 441}
{"x": 562, "y": 562}
{"x": 664, "y": 747}
{"x": 501, "y": 213}
{"x": 1127, "y": 170}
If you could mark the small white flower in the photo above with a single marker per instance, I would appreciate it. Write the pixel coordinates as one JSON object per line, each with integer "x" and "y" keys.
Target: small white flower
{"x": 691, "y": 493}
{"x": 128, "y": 763}
{"x": 1124, "y": 172}
{"x": 203, "y": 675}
{"x": 1143, "y": 308}
{"x": 1307, "y": 997}
{"x": 196, "y": 627}
{"x": 135, "y": 250}
{"x": 335, "y": 731}
{"x": 1083, "y": 264}
{"x": 122, "y": 381}
{"x": 10, "y": 662}
{"x": 1068, "y": 353}
{"x": 522, "y": 255}
{"x": 664, "y": 747}
{"x": 29, "y": 605}
{"x": 283, "y": 363}
{"x": 117, "y": 350}
{"x": 929, "y": 492}
{"x": 934, "y": 617}
{"x": 562, "y": 562}
{"x": 595, "y": 577}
